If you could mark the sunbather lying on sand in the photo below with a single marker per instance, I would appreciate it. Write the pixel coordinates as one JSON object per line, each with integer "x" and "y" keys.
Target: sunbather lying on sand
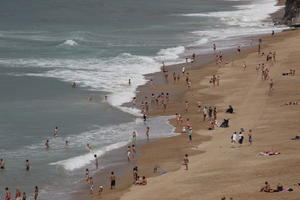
{"x": 291, "y": 103}
{"x": 268, "y": 153}
{"x": 296, "y": 138}
{"x": 280, "y": 188}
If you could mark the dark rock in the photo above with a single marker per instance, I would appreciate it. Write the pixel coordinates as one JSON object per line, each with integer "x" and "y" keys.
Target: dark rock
{"x": 292, "y": 10}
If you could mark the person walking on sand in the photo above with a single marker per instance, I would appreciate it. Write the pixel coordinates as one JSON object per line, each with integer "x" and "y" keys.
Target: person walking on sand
{"x": 186, "y": 161}
{"x": 250, "y": 140}
{"x": 112, "y": 181}
{"x": 147, "y": 132}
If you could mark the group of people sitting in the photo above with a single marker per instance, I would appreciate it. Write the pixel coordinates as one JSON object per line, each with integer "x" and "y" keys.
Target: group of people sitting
{"x": 141, "y": 181}
{"x": 138, "y": 180}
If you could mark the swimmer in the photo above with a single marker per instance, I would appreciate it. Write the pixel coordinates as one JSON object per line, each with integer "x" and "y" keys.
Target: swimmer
{"x": 2, "y": 164}
{"x": 89, "y": 147}
{"x": 27, "y": 165}
{"x": 73, "y": 85}
{"x": 55, "y": 133}
{"x": 96, "y": 161}
{"x": 47, "y": 144}
{"x": 67, "y": 143}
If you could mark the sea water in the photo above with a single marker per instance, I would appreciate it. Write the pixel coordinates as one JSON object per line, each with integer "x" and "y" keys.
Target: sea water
{"x": 99, "y": 44}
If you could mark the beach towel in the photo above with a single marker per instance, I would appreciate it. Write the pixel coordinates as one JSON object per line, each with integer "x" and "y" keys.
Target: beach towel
{"x": 268, "y": 153}
{"x": 162, "y": 172}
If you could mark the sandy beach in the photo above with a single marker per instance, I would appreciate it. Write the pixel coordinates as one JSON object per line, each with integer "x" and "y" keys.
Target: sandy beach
{"x": 218, "y": 168}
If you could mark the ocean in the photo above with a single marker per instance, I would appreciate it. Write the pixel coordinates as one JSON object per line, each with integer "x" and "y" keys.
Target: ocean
{"x": 99, "y": 44}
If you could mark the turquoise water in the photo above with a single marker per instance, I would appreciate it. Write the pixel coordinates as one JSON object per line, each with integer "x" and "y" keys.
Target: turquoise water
{"x": 100, "y": 44}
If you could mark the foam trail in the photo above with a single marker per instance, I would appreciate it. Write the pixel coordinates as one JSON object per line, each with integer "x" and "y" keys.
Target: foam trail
{"x": 83, "y": 160}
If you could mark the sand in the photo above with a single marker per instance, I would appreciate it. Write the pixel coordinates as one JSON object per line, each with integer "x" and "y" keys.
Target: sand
{"x": 218, "y": 168}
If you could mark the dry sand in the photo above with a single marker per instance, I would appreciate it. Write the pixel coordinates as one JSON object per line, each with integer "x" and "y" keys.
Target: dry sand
{"x": 216, "y": 167}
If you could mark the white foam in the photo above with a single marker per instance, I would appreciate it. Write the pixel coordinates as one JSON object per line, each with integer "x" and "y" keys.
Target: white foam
{"x": 251, "y": 15}
{"x": 109, "y": 75}
{"x": 83, "y": 160}
{"x": 70, "y": 43}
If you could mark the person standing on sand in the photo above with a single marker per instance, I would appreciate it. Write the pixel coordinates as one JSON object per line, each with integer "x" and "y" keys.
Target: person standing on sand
{"x": 190, "y": 133}
{"x": 133, "y": 139}
{"x": 215, "y": 113}
{"x": 210, "y": 112}
{"x": 174, "y": 77}
{"x": 147, "y": 132}
{"x": 186, "y": 106}
{"x": 250, "y": 140}
{"x": 205, "y": 112}
{"x": 218, "y": 80}
{"x": 214, "y": 47}
{"x": 186, "y": 161}
{"x": 112, "y": 181}
{"x": 135, "y": 174}
{"x": 36, "y": 192}
{"x": 233, "y": 138}
{"x": 241, "y": 138}
{"x": 129, "y": 152}
{"x": 87, "y": 175}
{"x": 271, "y": 85}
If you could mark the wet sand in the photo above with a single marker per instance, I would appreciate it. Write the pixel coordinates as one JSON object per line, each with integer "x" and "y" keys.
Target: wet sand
{"x": 217, "y": 168}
